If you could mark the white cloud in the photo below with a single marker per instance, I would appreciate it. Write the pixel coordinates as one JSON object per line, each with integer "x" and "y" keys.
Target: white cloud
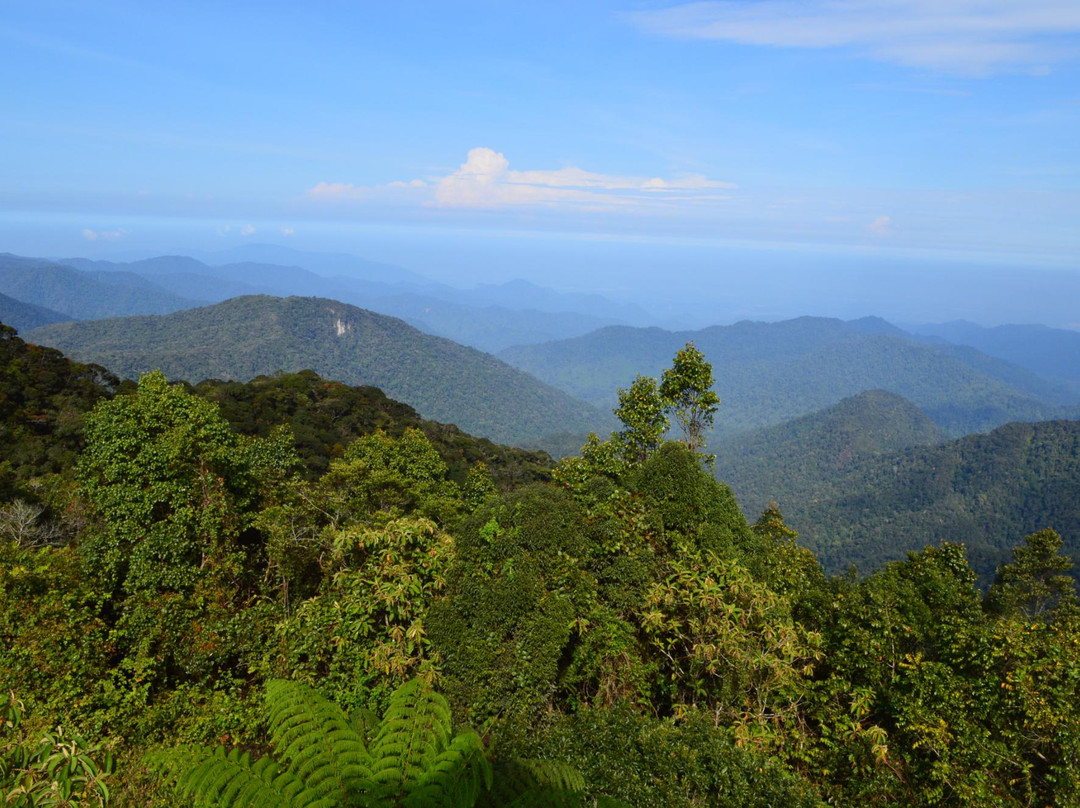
{"x": 103, "y": 235}
{"x": 288, "y": 231}
{"x": 881, "y": 226}
{"x": 337, "y": 190}
{"x": 485, "y": 180}
{"x": 959, "y": 36}
{"x": 247, "y": 230}
{"x": 347, "y": 190}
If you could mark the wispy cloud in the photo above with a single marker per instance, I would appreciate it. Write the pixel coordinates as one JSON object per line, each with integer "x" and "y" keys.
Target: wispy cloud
{"x": 881, "y": 226}
{"x": 347, "y": 190}
{"x": 959, "y": 36}
{"x": 485, "y": 181}
{"x": 103, "y": 235}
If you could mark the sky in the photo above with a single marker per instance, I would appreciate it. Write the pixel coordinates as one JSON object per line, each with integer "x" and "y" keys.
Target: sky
{"x": 615, "y": 146}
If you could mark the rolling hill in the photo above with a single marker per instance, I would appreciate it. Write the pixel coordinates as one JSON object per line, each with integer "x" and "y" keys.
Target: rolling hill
{"x": 857, "y": 499}
{"x": 257, "y": 335}
{"x": 768, "y": 373}
{"x": 489, "y": 317}
{"x": 81, "y": 295}
{"x": 22, "y": 316}
{"x": 801, "y": 459}
{"x": 1053, "y": 353}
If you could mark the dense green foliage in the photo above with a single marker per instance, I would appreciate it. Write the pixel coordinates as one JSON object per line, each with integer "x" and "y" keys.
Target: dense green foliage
{"x": 618, "y": 631}
{"x": 768, "y": 373}
{"x": 251, "y": 336}
{"x": 410, "y": 758}
{"x": 52, "y": 770}
{"x": 43, "y": 397}
{"x": 326, "y": 416}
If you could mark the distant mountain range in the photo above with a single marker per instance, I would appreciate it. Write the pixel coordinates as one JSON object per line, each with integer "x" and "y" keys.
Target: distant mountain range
{"x": 250, "y": 336}
{"x": 1052, "y": 353}
{"x": 767, "y": 373}
{"x": 807, "y": 454}
{"x": 22, "y": 316}
{"x": 81, "y": 295}
{"x": 489, "y": 317}
{"x": 864, "y": 479}
{"x": 845, "y": 479}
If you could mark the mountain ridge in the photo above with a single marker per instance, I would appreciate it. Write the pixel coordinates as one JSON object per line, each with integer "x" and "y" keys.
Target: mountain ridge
{"x": 245, "y": 337}
{"x": 768, "y": 373}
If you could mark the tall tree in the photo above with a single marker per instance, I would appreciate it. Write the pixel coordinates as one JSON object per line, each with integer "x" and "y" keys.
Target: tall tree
{"x": 1037, "y": 582}
{"x": 686, "y": 388}
{"x": 641, "y": 409}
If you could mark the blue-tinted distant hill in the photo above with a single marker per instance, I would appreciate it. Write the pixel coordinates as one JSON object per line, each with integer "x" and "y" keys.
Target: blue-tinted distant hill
{"x": 321, "y": 263}
{"x": 22, "y": 316}
{"x": 81, "y": 295}
{"x": 513, "y": 295}
{"x": 1053, "y": 353}
{"x": 767, "y": 373}
{"x": 490, "y": 318}
{"x": 247, "y": 337}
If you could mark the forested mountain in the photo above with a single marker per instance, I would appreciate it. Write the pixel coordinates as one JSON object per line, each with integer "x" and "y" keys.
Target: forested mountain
{"x": 801, "y": 460}
{"x": 1053, "y": 353}
{"x": 854, "y": 501}
{"x": 251, "y": 336}
{"x": 325, "y": 416}
{"x": 22, "y": 316}
{"x": 489, "y": 318}
{"x": 82, "y": 296}
{"x": 44, "y": 397}
{"x": 768, "y": 373}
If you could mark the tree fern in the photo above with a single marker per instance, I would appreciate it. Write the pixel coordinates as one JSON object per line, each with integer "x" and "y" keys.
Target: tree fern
{"x": 533, "y": 782}
{"x": 230, "y": 778}
{"x": 411, "y": 759}
{"x": 319, "y": 742}
{"x": 415, "y": 729}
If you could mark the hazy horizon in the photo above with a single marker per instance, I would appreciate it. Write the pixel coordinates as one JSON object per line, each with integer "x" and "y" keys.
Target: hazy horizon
{"x": 709, "y": 161}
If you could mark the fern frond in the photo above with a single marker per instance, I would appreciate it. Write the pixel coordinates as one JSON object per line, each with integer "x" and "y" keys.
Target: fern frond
{"x": 554, "y": 774}
{"x": 455, "y": 778}
{"x": 517, "y": 777}
{"x": 320, "y": 744}
{"x": 230, "y": 780}
{"x": 366, "y": 724}
{"x": 414, "y": 731}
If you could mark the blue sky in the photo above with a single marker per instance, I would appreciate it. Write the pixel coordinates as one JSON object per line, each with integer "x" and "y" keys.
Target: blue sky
{"x": 906, "y": 129}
